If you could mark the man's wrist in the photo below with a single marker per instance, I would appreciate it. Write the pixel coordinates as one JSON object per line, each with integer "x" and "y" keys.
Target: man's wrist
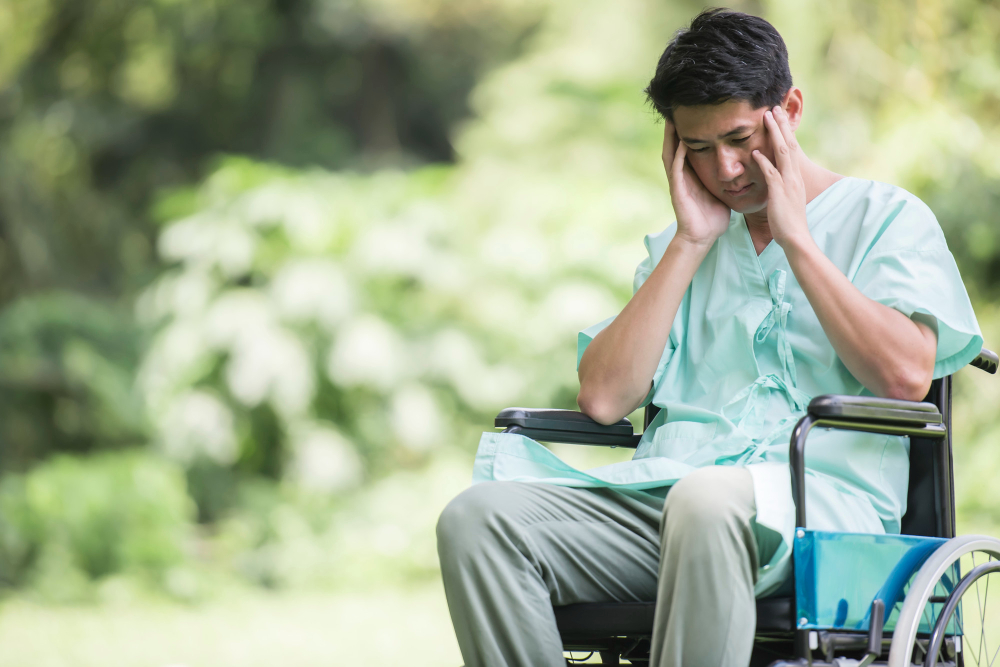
{"x": 689, "y": 245}
{"x": 800, "y": 247}
{"x": 804, "y": 258}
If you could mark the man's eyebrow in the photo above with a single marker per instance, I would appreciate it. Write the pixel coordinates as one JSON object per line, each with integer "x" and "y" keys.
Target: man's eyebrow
{"x": 739, "y": 130}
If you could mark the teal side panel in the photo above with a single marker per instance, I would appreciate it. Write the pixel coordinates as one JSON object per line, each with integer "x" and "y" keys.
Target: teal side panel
{"x": 839, "y": 575}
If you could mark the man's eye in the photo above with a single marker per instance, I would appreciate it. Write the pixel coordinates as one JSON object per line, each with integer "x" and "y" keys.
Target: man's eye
{"x": 740, "y": 141}
{"x": 698, "y": 150}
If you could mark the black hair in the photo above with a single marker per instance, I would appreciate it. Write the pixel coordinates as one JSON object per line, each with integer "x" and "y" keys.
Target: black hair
{"x": 724, "y": 55}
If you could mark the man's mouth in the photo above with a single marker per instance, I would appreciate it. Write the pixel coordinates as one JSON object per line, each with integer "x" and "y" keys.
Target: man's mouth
{"x": 741, "y": 191}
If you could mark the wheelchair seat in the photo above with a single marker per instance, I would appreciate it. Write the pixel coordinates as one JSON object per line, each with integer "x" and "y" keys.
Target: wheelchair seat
{"x": 586, "y": 622}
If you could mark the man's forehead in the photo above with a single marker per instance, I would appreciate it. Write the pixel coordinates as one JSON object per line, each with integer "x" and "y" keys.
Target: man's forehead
{"x": 713, "y": 121}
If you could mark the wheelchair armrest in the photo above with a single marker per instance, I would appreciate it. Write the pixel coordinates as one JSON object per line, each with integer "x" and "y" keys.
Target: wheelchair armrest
{"x": 857, "y": 413}
{"x": 872, "y": 408}
{"x": 987, "y": 361}
{"x": 567, "y": 426}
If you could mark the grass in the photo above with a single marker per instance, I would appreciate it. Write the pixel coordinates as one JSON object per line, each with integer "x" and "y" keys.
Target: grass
{"x": 247, "y": 629}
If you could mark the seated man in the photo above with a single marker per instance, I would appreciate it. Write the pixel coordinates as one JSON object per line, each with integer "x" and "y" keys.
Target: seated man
{"x": 779, "y": 281}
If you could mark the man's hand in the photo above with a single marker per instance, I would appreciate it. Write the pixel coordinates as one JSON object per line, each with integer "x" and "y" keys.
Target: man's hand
{"x": 701, "y": 217}
{"x": 786, "y": 192}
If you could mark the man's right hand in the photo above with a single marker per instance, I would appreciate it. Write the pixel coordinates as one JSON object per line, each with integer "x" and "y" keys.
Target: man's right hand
{"x": 701, "y": 217}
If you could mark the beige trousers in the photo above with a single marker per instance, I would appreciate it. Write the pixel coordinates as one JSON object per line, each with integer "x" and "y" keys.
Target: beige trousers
{"x": 510, "y": 551}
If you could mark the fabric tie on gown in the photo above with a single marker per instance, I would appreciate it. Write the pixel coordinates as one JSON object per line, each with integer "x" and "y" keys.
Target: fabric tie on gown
{"x": 752, "y": 417}
{"x": 778, "y": 318}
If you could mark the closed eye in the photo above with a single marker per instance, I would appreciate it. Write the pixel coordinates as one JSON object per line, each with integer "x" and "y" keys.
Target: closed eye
{"x": 735, "y": 141}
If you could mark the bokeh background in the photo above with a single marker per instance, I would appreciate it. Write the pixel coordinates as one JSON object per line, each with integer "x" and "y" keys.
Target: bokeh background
{"x": 269, "y": 267}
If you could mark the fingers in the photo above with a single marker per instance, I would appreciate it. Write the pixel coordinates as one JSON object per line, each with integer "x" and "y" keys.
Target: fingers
{"x": 781, "y": 150}
{"x": 771, "y": 174}
{"x": 680, "y": 157}
{"x": 669, "y": 145}
{"x": 787, "y": 133}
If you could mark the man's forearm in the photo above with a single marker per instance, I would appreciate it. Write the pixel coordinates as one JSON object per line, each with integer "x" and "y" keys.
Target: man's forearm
{"x": 617, "y": 368}
{"x": 890, "y": 354}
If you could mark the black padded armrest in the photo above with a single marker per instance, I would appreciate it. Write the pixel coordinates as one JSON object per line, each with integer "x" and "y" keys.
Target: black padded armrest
{"x": 857, "y": 413}
{"x": 885, "y": 410}
{"x": 565, "y": 426}
{"x": 987, "y": 361}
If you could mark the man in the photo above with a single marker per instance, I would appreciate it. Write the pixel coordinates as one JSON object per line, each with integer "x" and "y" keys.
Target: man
{"x": 779, "y": 281}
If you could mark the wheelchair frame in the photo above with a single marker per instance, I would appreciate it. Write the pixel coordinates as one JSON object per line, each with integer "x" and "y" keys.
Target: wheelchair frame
{"x": 623, "y": 630}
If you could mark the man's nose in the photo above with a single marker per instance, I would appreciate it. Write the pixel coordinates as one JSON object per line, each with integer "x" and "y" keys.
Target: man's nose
{"x": 730, "y": 164}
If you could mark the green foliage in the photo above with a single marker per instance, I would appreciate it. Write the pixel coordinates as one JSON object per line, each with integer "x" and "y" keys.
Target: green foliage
{"x": 331, "y": 321}
{"x": 317, "y": 326}
{"x": 66, "y": 378}
{"x": 102, "y": 102}
{"x": 75, "y": 519}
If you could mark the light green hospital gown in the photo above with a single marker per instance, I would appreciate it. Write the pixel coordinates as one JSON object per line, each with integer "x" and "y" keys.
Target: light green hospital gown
{"x": 746, "y": 353}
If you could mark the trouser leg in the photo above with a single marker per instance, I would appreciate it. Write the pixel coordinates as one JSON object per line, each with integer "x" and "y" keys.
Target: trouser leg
{"x": 705, "y": 611}
{"x": 510, "y": 551}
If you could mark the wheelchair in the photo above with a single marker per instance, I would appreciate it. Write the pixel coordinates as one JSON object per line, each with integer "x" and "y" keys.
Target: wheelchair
{"x": 857, "y": 599}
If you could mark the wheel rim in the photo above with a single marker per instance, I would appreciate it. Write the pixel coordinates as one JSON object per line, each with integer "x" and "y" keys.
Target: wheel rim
{"x": 972, "y": 613}
{"x": 915, "y": 605}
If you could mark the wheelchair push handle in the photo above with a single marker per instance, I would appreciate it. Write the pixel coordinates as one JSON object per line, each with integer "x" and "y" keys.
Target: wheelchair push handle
{"x": 987, "y": 361}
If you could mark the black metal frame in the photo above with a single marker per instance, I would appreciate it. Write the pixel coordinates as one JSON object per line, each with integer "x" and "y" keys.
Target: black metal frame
{"x": 927, "y": 423}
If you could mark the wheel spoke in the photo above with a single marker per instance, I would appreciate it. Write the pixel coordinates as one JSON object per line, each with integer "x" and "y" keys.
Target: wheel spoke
{"x": 982, "y": 615}
{"x": 982, "y": 633}
{"x": 923, "y": 614}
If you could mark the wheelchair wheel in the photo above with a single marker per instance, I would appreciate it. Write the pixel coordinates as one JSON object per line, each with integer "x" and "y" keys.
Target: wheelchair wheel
{"x": 969, "y": 608}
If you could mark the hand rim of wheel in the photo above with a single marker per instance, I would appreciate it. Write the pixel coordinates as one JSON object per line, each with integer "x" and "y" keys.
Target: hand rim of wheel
{"x": 905, "y": 633}
{"x": 938, "y": 633}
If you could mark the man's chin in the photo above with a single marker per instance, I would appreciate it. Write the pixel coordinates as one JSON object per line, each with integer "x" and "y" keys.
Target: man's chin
{"x": 743, "y": 206}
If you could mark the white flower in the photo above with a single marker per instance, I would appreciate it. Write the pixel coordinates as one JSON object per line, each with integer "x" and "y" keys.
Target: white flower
{"x": 237, "y": 314}
{"x": 367, "y": 351}
{"x": 271, "y": 363}
{"x": 206, "y": 239}
{"x": 182, "y": 294}
{"x": 572, "y": 306}
{"x": 416, "y": 420}
{"x": 323, "y": 459}
{"x": 312, "y": 289}
{"x": 198, "y": 423}
{"x": 454, "y": 356}
{"x": 177, "y": 354}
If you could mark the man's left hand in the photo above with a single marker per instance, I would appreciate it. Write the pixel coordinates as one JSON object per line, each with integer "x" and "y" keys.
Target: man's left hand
{"x": 786, "y": 193}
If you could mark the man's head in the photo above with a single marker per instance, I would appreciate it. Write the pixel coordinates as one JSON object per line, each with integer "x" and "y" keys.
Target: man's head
{"x": 714, "y": 82}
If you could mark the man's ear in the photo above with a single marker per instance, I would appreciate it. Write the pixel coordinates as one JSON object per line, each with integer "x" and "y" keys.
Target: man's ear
{"x": 792, "y": 104}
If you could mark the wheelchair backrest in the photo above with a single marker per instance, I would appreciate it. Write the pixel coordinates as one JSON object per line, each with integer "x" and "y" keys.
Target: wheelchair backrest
{"x": 930, "y": 499}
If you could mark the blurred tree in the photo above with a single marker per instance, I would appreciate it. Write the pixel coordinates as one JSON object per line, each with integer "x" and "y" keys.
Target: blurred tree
{"x": 319, "y": 317}
{"x": 106, "y": 102}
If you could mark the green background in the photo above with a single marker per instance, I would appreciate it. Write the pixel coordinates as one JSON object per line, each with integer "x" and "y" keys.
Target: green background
{"x": 269, "y": 267}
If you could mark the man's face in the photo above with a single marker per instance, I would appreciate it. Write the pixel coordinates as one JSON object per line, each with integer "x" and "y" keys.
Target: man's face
{"x": 720, "y": 139}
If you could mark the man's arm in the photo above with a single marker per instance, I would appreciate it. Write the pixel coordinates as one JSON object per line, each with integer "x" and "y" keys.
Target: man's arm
{"x": 890, "y": 354}
{"x": 617, "y": 368}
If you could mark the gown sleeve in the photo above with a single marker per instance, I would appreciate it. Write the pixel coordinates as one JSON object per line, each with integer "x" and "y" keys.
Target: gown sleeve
{"x": 656, "y": 245}
{"x": 908, "y": 266}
